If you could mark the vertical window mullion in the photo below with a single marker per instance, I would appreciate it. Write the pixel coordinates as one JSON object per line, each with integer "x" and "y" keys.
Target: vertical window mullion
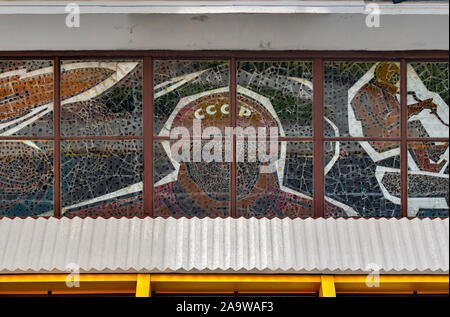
{"x": 318, "y": 165}
{"x": 147, "y": 115}
{"x": 56, "y": 137}
{"x": 233, "y": 115}
{"x": 403, "y": 136}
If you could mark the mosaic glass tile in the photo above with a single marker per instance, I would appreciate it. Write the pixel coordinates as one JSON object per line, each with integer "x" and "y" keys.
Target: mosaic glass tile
{"x": 26, "y": 98}
{"x": 179, "y": 83}
{"x": 101, "y": 98}
{"x": 428, "y": 182}
{"x": 188, "y": 187}
{"x": 101, "y": 178}
{"x": 26, "y": 178}
{"x": 284, "y": 88}
{"x": 361, "y": 180}
{"x": 428, "y": 100}
{"x": 278, "y": 188}
{"x": 362, "y": 99}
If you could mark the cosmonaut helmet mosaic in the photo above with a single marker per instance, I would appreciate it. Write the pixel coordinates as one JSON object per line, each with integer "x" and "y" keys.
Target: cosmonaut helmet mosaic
{"x": 202, "y": 188}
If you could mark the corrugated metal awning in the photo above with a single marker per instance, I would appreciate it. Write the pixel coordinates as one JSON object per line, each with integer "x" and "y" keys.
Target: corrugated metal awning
{"x": 327, "y": 246}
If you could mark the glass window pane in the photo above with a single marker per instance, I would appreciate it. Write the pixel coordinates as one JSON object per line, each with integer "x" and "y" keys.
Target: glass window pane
{"x": 26, "y": 178}
{"x": 26, "y": 98}
{"x": 189, "y": 185}
{"x": 428, "y": 100}
{"x": 362, "y": 179}
{"x": 101, "y": 98}
{"x": 362, "y": 99}
{"x": 428, "y": 188}
{"x": 283, "y": 90}
{"x": 188, "y": 90}
{"x": 280, "y": 185}
{"x": 101, "y": 178}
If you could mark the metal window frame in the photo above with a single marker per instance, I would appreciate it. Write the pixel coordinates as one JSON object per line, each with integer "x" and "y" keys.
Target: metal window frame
{"x": 149, "y": 56}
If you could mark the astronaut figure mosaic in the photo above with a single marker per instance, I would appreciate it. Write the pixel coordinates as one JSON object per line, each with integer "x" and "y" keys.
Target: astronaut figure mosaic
{"x": 373, "y": 111}
{"x": 192, "y": 174}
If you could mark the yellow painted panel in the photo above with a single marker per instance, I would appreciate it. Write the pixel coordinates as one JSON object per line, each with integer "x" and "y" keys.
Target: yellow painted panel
{"x": 143, "y": 285}
{"x": 215, "y": 283}
{"x": 327, "y": 288}
{"x": 37, "y": 278}
{"x": 56, "y": 283}
{"x": 391, "y": 284}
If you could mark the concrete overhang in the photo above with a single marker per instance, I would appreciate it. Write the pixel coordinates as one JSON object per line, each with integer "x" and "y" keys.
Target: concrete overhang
{"x": 228, "y": 7}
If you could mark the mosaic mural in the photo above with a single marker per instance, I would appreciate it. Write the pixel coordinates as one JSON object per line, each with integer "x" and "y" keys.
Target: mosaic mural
{"x": 183, "y": 91}
{"x": 372, "y": 91}
{"x": 190, "y": 188}
{"x": 428, "y": 183}
{"x": 26, "y": 98}
{"x": 287, "y": 86}
{"x": 98, "y": 98}
{"x": 428, "y": 178}
{"x": 174, "y": 80}
{"x": 26, "y": 178}
{"x": 428, "y": 81}
{"x": 26, "y": 167}
{"x": 363, "y": 100}
{"x": 358, "y": 181}
{"x": 272, "y": 96}
{"x": 101, "y": 178}
{"x": 278, "y": 194}
{"x": 104, "y": 177}
{"x": 101, "y": 98}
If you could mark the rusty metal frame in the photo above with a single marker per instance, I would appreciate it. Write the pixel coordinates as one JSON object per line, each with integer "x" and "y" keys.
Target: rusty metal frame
{"x": 147, "y": 130}
{"x": 419, "y": 55}
{"x": 148, "y": 136}
{"x": 403, "y": 135}
{"x": 57, "y": 138}
{"x": 233, "y": 116}
{"x": 318, "y": 163}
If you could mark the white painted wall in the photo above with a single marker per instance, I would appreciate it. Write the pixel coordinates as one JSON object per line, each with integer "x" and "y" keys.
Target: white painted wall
{"x": 224, "y": 31}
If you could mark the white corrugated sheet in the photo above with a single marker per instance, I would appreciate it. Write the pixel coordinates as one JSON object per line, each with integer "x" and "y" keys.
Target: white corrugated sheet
{"x": 337, "y": 246}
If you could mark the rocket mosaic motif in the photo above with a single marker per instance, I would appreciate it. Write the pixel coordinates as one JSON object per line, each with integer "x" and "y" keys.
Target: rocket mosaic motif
{"x": 97, "y": 99}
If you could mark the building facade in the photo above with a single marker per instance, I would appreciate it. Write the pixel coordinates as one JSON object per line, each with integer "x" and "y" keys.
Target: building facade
{"x": 224, "y": 146}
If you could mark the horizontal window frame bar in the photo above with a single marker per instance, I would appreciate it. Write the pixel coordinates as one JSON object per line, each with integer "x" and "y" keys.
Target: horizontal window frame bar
{"x": 415, "y": 55}
{"x": 168, "y": 138}
{"x": 386, "y": 139}
{"x": 219, "y": 217}
{"x": 70, "y": 138}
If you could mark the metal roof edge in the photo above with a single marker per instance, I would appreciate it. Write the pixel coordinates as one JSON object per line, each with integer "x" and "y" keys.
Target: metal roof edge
{"x": 226, "y": 7}
{"x": 228, "y": 271}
